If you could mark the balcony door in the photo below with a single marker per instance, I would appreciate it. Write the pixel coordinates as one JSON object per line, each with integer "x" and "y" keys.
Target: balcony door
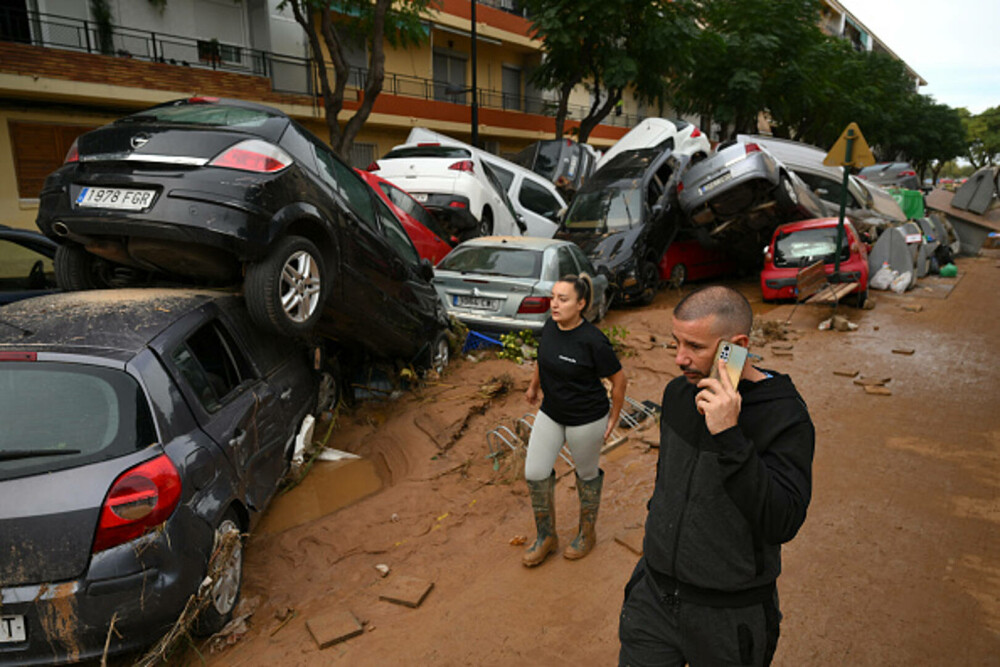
{"x": 449, "y": 72}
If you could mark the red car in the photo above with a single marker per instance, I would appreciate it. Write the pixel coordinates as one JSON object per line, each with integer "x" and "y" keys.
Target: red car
{"x": 799, "y": 244}
{"x": 422, "y": 228}
{"x": 687, "y": 259}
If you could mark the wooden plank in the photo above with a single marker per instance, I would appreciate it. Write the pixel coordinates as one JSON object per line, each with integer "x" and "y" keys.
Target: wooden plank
{"x": 834, "y": 293}
{"x": 810, "y": 280}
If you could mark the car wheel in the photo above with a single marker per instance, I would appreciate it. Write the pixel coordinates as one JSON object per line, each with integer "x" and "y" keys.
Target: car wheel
{"x": 486, "y": 223}
{"x": 225, "y": 589}
{"x": 650, "y": 274}
{"x": 678, "y": 274}
{"x": 77, "y": 270}
{"x": 285, "y": 291}
{"x": 787, "y": 198}
{"x": 440, "y": 353}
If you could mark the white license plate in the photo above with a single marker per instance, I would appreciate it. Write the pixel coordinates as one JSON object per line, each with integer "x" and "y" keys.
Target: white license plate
{"x": 708, "y": 187}
{"x": 478, "y": 302}
{"x": 12, "y": 629}
{"x": 422, "y": 198}
{"x": 117, "y": 198}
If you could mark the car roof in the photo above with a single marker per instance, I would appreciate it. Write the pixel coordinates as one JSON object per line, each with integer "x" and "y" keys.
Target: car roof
{"x": 813, "y": 223}
{"x": 519, "y": 242}
{"x": 121, "y": 320}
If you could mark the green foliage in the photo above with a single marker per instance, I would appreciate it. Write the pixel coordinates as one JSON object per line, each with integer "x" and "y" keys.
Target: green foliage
{"x": 101, "y": 11}
{"x": 616, "y": 335}
{"x": 983, "y": 147}
{"x": 518, "y": 346}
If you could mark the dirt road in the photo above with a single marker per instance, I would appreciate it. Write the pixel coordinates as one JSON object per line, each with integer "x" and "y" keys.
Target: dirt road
{"x": 897, "y": 563}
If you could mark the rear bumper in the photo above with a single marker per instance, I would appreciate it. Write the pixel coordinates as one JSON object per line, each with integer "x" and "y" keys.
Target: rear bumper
{"x": 496, "y": 324}
{"x": 143, "y": 584}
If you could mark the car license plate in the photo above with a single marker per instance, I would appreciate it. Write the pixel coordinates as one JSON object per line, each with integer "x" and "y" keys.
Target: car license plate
{"x": 12, "y": 629}
{"x": 117, "y": 198}
{"x": 711, "y": 185}
{"x": 478, "y": 302}
{"x": 420, "y": 197}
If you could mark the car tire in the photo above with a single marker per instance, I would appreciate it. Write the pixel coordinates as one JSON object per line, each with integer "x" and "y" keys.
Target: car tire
{"x": 650, "y": 274}
{"x": 285, "y": 291}
{"x": 76, "y": 269}
{"x": 678, "y": 275}
{"x": 785, "y": 195}
{"x": 439, "y": 354}
{"x": 224, "y": 593}
{"x": 485, "y": 227}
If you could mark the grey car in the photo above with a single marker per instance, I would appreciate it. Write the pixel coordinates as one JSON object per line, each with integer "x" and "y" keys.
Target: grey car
{"x": 891, "y": 175}
{"x": 140, "y": 427}
{"x": 503, "y": 283}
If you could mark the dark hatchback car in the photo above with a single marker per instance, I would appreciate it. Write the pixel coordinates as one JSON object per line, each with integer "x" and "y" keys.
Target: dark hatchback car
{"x": 624, "y": 218}
{"x": 25, "y": 264}
{"x": 206, "y": 190}
{"x": 138, "y": 429}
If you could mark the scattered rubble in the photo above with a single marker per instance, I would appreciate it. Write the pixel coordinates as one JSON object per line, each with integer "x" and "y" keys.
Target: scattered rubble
{"x": 406, "y": 590}
{"x": 333, "y": 627}
{"x": 903, "y": 350}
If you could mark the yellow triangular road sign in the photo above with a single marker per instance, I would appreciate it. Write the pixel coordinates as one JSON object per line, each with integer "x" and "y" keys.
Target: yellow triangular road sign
{"x": 861, "y": 155}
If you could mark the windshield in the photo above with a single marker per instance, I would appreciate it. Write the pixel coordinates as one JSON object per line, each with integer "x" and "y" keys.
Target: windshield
{"x": 806, "y": 246}
{"x": 214, "y": 115}
{"x": 434, "y": 150}
{"x": 616, "y": 207}
{"x": 57, "y": 415}
{"x": 494, "y": 261}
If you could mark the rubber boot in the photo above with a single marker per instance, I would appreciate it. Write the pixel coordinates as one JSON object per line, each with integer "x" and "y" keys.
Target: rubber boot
{"x": 590, "y": 501}
{"x": 543, "y": 504}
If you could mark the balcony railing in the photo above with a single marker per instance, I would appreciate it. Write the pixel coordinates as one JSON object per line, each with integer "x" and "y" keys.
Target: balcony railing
{"x": 288, "y": 74}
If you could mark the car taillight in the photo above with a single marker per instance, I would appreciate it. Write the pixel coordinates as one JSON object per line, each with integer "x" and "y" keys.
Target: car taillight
{"x": 202, "y": 99}
{"x": 140, "y": 499}
{"x": 534, "y": 305}
{"x": 458, "y": 204}
{"x": 428, "y": 143}
{"x": 695, "y": 133}
{"x": 73, "y": 154}
{"x": 463, "y": 165}
{"x": 907, "y": 172}
{"x": 752, "y": 148}
{"x": 253, "y": 155}
{"x": 680, "y": 187}
{"x": 373, "y": 166}
{"x": 18, "y": 356}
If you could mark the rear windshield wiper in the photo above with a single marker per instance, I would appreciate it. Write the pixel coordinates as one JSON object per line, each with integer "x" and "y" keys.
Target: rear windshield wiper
{"x": 16, "y": 454}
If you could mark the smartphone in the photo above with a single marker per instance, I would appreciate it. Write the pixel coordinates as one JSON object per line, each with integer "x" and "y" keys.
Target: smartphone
{"x": 735, "y": 357}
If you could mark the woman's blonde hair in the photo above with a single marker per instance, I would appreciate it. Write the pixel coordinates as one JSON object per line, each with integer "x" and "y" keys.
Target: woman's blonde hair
{"x": 582, "y": 285}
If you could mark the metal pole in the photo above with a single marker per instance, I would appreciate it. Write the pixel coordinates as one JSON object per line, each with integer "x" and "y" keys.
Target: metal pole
{"x": 843, "y": 202}
{"x": 475, "y": 90}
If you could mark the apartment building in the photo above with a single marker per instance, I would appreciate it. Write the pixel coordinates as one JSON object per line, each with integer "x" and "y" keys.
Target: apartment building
{"x": 62, "y": 72}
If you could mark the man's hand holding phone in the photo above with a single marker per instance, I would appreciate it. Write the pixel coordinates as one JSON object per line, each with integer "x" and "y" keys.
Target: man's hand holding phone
{"x": 718, "y": 399}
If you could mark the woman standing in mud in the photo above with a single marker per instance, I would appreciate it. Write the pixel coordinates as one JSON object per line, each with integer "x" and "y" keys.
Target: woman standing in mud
{"x": 573, "y": 356}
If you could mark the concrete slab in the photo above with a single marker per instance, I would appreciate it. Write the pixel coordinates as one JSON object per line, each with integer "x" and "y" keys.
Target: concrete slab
{"x": 333, "y": 626}
{"x": 405, "y": 590}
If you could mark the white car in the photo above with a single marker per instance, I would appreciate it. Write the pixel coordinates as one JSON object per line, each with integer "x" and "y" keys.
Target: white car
{"x": 533, "y": 197}
{"x": 686, "y": 139}
{"x": 454, "y": 184}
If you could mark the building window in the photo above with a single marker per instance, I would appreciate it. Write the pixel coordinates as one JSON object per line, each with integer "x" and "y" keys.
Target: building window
{"x": 363, "y": 154}
{"x": 512, "y": 88}
{"x": 213, "y": 51}
{"x": 39, "y": 149}
{"x": 449, "y": 73}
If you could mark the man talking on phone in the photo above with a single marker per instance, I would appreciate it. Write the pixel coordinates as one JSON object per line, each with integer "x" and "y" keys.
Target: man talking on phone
{"x": 733, "y": 482}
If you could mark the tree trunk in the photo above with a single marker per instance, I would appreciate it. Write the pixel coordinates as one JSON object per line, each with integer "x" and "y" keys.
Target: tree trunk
{"x": 563, "y": 109}
{"x": 598, "y": 112}
{"x": 373, "y": 86}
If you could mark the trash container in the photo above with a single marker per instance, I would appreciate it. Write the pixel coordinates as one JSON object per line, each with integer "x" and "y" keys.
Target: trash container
{"x": 911, "y": 201}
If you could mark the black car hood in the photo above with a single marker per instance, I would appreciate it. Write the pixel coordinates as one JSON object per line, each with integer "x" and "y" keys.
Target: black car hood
{"x": 606, "y": 250}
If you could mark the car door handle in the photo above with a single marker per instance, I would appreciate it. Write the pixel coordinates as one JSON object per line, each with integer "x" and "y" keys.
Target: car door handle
{"x": 286, "y": 394}
{"x": 238, "y": 439}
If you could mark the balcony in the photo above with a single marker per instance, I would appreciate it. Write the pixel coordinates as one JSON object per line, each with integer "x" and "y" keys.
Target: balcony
{"x": 287, "y": 74}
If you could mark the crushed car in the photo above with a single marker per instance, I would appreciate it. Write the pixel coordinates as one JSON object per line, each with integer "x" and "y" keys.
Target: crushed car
{"x": 141, "y": 434}
{"x": 25, "y": 264}
{"x": 221, "y": 192}
{"x": 624, "y": 218}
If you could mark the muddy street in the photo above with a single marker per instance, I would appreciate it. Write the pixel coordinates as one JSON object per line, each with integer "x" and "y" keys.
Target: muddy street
{"x": 895, "y": 565}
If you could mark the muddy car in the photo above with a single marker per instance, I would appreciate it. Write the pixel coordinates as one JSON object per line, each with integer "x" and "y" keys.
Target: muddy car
{"x": 624, "y": 218}
{"x": 142, "y": 430}
{"x": 219, "y": 192}
{"x": 741, "y": 194}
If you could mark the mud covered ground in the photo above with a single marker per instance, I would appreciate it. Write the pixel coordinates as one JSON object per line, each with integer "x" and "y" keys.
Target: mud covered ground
{"x": 897, "y": 563}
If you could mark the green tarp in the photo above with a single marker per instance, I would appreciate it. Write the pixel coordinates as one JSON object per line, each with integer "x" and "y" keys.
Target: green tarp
{"x": 911, "y": 201}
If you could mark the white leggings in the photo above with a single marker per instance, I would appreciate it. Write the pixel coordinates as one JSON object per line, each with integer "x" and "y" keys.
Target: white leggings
{"x": 547, "y": 438}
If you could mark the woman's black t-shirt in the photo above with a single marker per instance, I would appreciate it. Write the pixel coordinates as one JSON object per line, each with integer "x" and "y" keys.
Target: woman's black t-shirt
{"x": 570, "y": 367}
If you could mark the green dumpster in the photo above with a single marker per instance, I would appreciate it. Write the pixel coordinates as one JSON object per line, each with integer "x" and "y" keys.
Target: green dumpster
{"x": 911, "y": 201}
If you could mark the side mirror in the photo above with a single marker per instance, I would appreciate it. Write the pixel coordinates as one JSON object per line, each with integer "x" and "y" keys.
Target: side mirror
{"x": 426, "y": 269}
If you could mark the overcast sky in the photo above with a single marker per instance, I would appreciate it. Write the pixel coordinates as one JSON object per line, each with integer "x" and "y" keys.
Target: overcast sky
{"x": 954, "y": 45}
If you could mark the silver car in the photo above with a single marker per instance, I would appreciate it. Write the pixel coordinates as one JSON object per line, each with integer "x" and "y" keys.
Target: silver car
{"x": 504, "y": 283}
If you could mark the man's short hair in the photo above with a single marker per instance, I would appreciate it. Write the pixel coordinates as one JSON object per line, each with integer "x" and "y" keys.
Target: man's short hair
{"x": 733, "y": 312}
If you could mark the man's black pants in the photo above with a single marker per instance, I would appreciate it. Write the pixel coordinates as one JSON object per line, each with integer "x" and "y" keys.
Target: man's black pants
{"x": 658, "y": 629}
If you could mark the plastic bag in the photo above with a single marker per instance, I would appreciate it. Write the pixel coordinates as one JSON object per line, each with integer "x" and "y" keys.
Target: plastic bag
{"x": 901, "y": 283}
{"x": 883, "y": 278}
